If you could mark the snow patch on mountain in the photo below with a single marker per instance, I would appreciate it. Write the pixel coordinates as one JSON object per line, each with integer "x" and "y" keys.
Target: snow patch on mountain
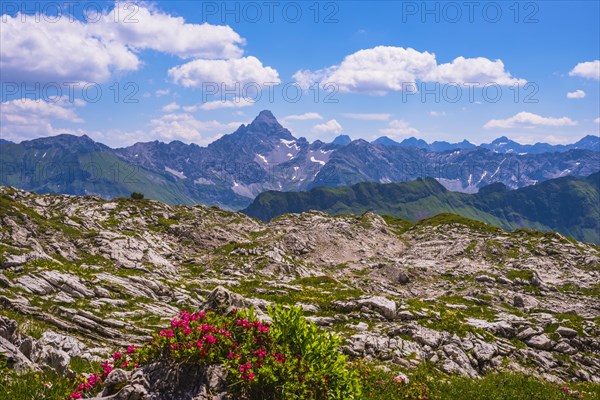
{"x": 313, "y": 159}
{"x": 178, "y": 174}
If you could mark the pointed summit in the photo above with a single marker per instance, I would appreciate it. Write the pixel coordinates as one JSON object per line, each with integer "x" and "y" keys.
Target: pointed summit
{"x": 265, "y": 117}
{"x": 265, "y": 124}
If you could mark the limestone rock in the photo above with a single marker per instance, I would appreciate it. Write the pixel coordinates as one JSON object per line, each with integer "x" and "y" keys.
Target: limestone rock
{"x": 384, "y": 306}
{"x": 566, "y": 332}
{"x": 542, "y": 342}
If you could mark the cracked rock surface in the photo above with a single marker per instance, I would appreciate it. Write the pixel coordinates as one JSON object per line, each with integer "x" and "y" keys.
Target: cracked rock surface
{"x": 88, "y": 275}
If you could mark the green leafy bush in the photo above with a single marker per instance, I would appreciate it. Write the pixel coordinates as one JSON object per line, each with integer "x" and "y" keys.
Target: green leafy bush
{"x": 288, "y": 359}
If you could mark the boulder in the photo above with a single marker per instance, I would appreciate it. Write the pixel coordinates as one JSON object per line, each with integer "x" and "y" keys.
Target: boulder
{"x": 166, "y": 381}
{"x": 541, "y": 342}
{"x": 221, "y": 299}
{"x": 527, "y": 333}
{"x": 48, "y": 356}
{"x": 15, "y": 359}
{"x": 68, "y": 344}
{"x": 403, "y": 277}
{"x": 566, "y": 332}
{"x": 526, "y": 302}
{"x": 485, "y": 279}
{"x": 380, "y": 304}
{"x": 565, "y": 348}
{"x": 484, "y": 351}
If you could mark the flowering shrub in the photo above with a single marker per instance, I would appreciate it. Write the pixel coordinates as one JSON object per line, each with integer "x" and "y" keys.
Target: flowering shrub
{"x": 293, "y": 359}
{"x": 288, "y": 359}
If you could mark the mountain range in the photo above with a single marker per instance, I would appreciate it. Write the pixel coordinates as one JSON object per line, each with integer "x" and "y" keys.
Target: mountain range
{"x": 569, "y": 205}
{"x": 499, "y": 145}
{"x": 263, "y": 155}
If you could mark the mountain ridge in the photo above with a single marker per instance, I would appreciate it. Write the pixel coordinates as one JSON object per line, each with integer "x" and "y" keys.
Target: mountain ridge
{"x": 569, "y": 205}
{"x": 263, "y": 155}
{"x": 500, "y": 145}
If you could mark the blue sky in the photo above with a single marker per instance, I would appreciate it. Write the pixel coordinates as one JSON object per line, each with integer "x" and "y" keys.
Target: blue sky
{"x": 372, "y": 54}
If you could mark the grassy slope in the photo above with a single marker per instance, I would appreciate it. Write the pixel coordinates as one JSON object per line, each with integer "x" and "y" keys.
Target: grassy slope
{"x": 568, "y": 205}
{"x": 58, "y": 170}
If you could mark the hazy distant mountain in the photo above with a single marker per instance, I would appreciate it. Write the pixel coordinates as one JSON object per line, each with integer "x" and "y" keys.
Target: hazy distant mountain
{"x": 421, "y": 144}
{"x": 458, "y": 170}
{"x": 342, "y": 140}
{"x": 263, "y": 155}
{"x": 499, "y": 145}
{"x": 505, "y": 145}
{"x": 568, "y": 205}
{"x": 445, "y": 146}
{"x": 385, "y": 141}
{"x": 3, "y": 141}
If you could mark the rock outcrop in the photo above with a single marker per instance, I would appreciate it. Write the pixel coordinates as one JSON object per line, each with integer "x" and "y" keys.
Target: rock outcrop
{"x": 86, "y": 275}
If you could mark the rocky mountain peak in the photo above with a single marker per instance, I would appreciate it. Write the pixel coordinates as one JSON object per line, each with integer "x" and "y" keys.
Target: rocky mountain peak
{"x": 66, "y": 141}
{"x": 265, "y": 124}
{"x": 265, "y": 119}
{"x": 342, "y": 140}
{"x": 414, "y": 142}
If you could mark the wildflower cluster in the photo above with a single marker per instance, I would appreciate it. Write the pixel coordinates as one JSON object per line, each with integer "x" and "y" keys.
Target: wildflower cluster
{"x": 263, "y": 361}
{"x": 88, "y": 383}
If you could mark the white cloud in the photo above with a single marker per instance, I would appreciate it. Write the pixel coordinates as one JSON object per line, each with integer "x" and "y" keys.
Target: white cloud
{"x": 27, "y": 119}
{"x": 382, "y": 69}
{"x": 234, "y": 103}
{"x": 399, "y": 128}
{"x": 597, "y": 120}
{"x": 437, "y": 113}
{"x": 528, "y": 120}
{"x": 331, "y": 126}
{"x": 471, "y": 70}
{"x": 187, "y": 128}
{"x": 578, "y": 94}
{"x": 47, "y": 51}
{"x": 302, "y": 117}
{"x": 210, "y": 105}
{"x": 375, "y": 71}
{"x": 64, "y": 49}
{"x": 589, "y": 69}
{"x": 241, "y": 71}
{"x": 152, "y": 29}
{"x": 368, "y": 117}
{"x": 162, "y": 92}
{"x": 307, "y": 78}
{"x": 171, "y": 107}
